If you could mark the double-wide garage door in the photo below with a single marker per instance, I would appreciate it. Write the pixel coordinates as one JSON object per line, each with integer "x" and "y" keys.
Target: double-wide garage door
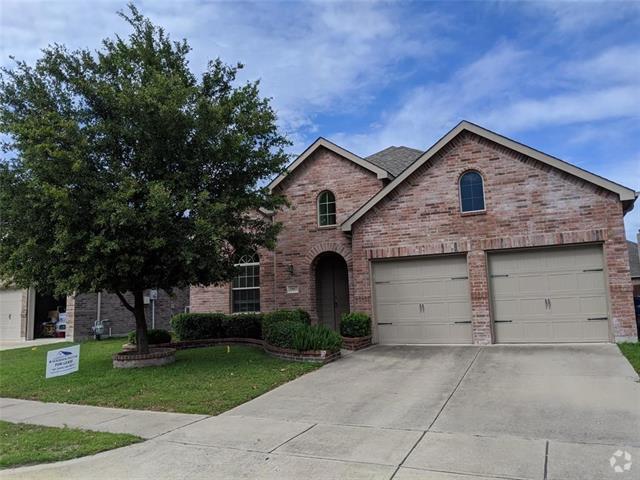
{"x": 549, "y": 295}
{"x": 423, "y": 300}
{"x": 538, "y": 295}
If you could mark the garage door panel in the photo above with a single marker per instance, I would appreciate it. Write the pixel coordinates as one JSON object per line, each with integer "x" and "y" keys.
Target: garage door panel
{"x": 10, "y": 309}
{"x": 591, "y": 281}
{"x": 548, "y": 295}
{"x": 439, "y": 284}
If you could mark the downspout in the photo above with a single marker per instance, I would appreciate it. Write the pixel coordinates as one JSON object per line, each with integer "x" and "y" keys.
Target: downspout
{"x": 99, "y": 306}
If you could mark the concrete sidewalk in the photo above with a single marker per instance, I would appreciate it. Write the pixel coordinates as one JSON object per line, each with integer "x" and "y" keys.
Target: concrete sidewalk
{"x": 142, "y": 423}
{"x": 13, "y": 344}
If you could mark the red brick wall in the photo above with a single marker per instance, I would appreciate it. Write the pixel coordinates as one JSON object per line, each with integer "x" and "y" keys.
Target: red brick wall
{"x": 301, "y": 239}
{"x": 527, "y": 204}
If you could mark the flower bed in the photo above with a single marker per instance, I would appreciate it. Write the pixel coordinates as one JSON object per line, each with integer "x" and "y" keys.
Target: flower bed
{"x": 356, "y": 343}
{"x": 314, "y": 356}
{"x": 155, "y": 358}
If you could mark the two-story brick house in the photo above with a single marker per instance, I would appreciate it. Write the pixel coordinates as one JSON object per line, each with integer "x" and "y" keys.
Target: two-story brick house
{"x": 479, "y": 240}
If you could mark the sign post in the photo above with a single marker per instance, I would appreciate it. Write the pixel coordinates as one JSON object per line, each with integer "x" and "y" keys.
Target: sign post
{"x": 63, "y": 361}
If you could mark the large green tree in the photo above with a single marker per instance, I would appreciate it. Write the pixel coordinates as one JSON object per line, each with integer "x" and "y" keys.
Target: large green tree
{"x": 124, "y": 171}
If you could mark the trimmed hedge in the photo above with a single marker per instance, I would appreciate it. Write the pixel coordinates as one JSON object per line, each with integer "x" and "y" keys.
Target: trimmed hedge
{"x": 155, "y": 336}
{"x": 281, "y": 328}
{"x": 355, "y": 324}
{"x": 199, "y": 326}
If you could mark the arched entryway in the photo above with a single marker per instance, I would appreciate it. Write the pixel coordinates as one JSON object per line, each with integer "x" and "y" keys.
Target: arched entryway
{"x": 332, "y": 289}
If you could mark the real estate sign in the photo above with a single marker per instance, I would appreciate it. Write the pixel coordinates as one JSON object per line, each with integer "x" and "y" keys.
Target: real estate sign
{"x": 63, "y": 361}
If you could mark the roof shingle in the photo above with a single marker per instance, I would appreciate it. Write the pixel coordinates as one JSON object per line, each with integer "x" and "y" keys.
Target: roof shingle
{"x": 394, "y": 159}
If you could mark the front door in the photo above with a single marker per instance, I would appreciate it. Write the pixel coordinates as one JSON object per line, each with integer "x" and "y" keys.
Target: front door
{"x": 332, "y": 289}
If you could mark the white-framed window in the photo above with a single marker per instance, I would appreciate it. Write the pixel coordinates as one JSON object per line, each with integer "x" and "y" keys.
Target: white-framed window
{"x": 245, "y": 288}
{"x": 471, "y": 192}
{"x": 326, "y": 209}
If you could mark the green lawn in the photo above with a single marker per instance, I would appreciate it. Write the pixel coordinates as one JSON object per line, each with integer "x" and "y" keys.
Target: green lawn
{"x": 632, "y": 352}
{"x": 22, "y": 444}
{"x": 202, "y": 380}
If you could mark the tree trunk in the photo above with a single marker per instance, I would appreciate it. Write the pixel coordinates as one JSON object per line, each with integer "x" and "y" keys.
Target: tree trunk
{"x": 141, "y": 322}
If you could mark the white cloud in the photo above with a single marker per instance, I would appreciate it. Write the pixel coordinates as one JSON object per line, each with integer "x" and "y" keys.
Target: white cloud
{"x": 310, "y": 57}
{"x": 575, "y": 16}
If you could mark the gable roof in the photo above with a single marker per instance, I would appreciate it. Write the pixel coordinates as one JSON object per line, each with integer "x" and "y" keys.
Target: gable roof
{"x": 634, "y": 259}
{"x": 395, "y": 159}
{"x": 323, "y": 142}
{"x": 626, "y": 195}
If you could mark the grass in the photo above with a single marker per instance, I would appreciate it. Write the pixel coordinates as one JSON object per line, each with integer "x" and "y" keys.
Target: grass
{"x": 632, "y": 352}
{"x": 22, "y": 444}
{"x": 202, "y": 380}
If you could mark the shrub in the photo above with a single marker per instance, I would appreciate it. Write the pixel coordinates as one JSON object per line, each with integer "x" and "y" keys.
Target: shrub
{"x": 155, "y": 336}
{"x": 355, "y": 324}
{"x": 279, "y": 316}
{"x": 317, "y": 337}
{"x": 301, "y": 336}
{"x": 201, "y": 326}
{"x": 198, "y": 326}
{"x": 245, "y": 325}
{"x": 281, "y": 333}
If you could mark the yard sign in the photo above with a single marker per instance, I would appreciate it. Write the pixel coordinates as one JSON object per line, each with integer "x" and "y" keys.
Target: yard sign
{"x": 63, "y": 361}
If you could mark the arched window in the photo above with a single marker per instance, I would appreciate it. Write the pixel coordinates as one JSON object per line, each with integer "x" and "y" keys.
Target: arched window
{"x": 245, "y": 289}
{"x": 326, "y": 209}
{"x": 471, "y": 192}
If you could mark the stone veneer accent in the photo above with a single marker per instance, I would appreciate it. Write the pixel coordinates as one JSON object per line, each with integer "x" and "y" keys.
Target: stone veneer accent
{"x": 528, "y": 204}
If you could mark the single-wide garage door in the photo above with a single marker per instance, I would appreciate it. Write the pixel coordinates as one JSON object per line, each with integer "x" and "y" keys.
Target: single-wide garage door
{"x": 422, "y": 300}
{"x": 10, "y": 306}
{"x": 549, "y": 295}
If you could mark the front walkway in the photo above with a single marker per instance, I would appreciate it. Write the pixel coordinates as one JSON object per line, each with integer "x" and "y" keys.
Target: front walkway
{"x": 142, "y": 423}
{"x": 561, "y": 412}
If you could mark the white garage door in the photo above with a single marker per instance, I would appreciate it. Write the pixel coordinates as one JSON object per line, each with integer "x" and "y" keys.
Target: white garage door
{"x": 422, "y": 300}
{"x": 10, "y": 306}
{"x": 549, "y": 295}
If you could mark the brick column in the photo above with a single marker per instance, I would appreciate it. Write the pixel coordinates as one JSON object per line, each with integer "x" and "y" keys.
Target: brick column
{"x": 480, "y": 303}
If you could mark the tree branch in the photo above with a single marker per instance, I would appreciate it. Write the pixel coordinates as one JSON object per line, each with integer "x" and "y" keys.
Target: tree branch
{"x": 124, "y": 302}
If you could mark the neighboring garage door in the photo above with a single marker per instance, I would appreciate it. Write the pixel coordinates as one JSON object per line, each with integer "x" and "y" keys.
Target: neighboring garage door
{"x": 549, "y": 295}
{"x": 422, "y": 300}
{"x": 10, "y": 306}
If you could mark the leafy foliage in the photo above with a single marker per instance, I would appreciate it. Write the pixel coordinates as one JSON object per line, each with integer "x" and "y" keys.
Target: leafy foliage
{"x": 155, "y": 336}
{"x": 282, "y": 333}
{"x": 316, "y": 337}
{"x": 200, "y": 326}
{"x": 128, "y": 172}
{"x": 289, "y": 329}
{"x": 355, "y": 324}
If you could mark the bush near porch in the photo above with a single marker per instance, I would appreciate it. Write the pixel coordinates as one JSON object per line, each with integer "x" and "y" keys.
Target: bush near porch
{"x": 204, "y": 380}
{"x": 355, "y": 324}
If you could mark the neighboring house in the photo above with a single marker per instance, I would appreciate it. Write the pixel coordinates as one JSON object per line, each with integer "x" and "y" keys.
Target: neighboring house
{"x": 634, "y": 264}
{"x": 23, "y": 312}
{"x": 479, "y": 240}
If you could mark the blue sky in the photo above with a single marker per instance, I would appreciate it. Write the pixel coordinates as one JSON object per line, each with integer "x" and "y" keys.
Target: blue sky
{"x": 562, "y": 77}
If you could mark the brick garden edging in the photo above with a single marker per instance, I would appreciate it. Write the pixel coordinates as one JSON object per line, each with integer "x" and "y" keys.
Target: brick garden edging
{"x": 155, "y": 358}
{"x": 356, "y": 343}
{"x": 315, "y": 356}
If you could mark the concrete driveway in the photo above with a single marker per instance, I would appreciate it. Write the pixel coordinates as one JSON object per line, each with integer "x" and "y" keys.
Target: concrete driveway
{"x": 440, "y": 413}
